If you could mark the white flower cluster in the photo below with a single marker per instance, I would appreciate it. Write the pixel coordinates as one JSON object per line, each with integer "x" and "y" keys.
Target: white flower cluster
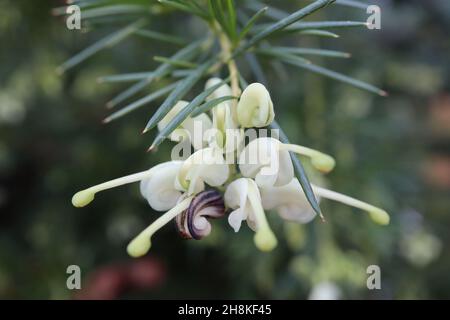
{"x": 262, "y": 178}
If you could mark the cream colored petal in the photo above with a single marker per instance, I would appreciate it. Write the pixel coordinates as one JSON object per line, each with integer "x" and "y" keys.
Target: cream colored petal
{"x": 222, "y": 91}
{"x": 180, "y": 105}
{"x": 255, "y": 107}
{"x": 159, "y": 188}
{"x": 206, "y": 165}
{"x": 289, "y": 201}
{"x": 263, "y": 160}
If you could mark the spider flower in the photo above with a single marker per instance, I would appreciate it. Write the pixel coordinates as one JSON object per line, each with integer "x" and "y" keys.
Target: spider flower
{"x": 267, "y": 160}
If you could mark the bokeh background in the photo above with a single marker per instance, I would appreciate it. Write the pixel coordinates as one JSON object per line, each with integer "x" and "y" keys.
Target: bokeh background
{"x": 393, "y": 152}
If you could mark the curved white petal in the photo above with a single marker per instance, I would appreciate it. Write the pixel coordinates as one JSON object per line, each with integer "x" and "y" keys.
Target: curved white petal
{"x": 235, "y": 219}
{"x": 290, "y": 202}
{"x": 237, "y": 197}
{"x": 263, "y": 160}
{"x": 159, "y": 189}
{"x": 204, "y": 166}
{"x": 222, "y": 91}
{"x": 255, "y": 107}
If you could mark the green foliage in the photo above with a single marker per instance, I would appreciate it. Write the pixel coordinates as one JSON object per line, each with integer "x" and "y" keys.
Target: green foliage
{"x": 42, "y": 234}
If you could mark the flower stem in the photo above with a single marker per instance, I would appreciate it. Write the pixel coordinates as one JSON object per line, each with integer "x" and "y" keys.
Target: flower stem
{"x": 227, "y": 51}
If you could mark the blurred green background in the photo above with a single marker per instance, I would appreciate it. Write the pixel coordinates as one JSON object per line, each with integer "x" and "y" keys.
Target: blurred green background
{"x": 393, "y": 152}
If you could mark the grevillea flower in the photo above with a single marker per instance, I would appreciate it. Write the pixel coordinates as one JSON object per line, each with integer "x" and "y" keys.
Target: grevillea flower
{"x": 255, "y": 107}
{"x": 290, "y": 202}
{"x": 243, "y": 196}
{"x": 187, "y": 129}
{"x": 267, "y": 160}
{"x": 191, "y": 191}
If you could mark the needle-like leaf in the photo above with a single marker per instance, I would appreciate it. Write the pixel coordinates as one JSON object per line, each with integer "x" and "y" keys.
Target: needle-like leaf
{"x": 283, "y": 23}
{"x": 185, "y": 6}
{"x": 141, "y": 102}
{"x": 125, "y": 77}
{"x": 164, "y": 69}
{"x": 308, "y": 51}
{"x": 293, "y": 60}
{"x": 251, "y": 22}
{"x": 324, "y": 25}
{"x": 210, "y": 104}
{"x": 175, "y": 62}
{"x": 108, "y": 41}
{"x": 320, "y": 33}
{"x": 177, "y": 94}
{"x": 275, "y": 52}
{"x": 353, "y": 4}
{"x": 183, "y": 114}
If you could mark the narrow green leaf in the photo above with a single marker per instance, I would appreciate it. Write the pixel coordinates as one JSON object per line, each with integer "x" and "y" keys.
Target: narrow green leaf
{"x": 175, "y": 62}
{"x": 161, "y": 36}
{"x": 273, "y": 13}
{"x": 324, "y": 25}
{"x": 320, "y": 33}
{"x": 283, "y": 23}
{"x": 275, "y": 52}
{"x": 293, "y": 60}
{"x": 211, "y": 104}
{"x": 215, "y": 7}
{"x": 183, "y": 114}
{"x": 135, "y": 88}
{"x": 299, "y": 172}
{"x": 353, "y": 4}
{"x": 232, "y": 18}
{"x": 310, "y": 51}
{"x": 107, "y": 41}
{"x": 181, "y": 73}
{"x": 185, "y": 7}
{"x": 178, "y": 93}
{"x": 164, "y": 69}
{"x": 125, "y": 77}
{"x": 141, "y": 102}
{"x": 251, "y": 22}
